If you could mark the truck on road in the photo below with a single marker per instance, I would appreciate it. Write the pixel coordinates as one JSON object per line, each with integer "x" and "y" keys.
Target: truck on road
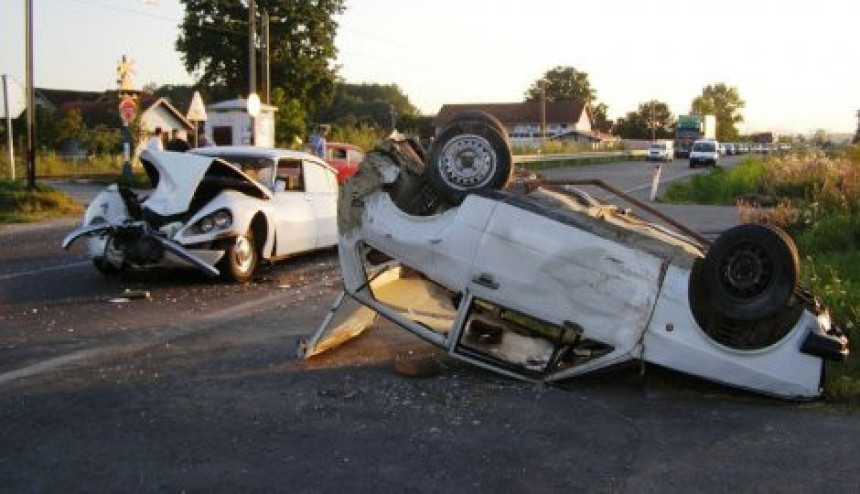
{"x": 691, "y": 128}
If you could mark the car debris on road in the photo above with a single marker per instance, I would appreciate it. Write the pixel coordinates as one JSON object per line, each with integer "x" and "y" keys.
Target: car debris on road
{"x": 538, "y": 280}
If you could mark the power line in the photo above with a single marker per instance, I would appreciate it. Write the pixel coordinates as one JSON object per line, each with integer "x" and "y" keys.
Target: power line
{"x": 161, "y": 18}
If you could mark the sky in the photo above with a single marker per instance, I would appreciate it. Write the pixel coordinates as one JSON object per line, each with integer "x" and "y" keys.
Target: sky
{"x": 794, "y": 63}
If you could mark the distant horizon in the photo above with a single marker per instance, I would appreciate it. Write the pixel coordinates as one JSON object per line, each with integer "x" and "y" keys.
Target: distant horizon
{"x": 781, "y": 52}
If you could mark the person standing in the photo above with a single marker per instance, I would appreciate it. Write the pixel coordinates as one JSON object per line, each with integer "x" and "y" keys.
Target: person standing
{"x": 177, "y": 143}
{"x": 318, "y": 141}
{"x": 154, "y": 141}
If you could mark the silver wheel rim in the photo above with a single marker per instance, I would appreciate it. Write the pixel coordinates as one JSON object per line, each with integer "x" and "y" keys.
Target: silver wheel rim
{"x": 467, "y": 162}
{"x": 243, "y": 253}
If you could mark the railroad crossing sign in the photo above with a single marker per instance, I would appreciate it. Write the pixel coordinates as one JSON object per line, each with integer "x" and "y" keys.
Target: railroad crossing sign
{"x": 127, "y": 109}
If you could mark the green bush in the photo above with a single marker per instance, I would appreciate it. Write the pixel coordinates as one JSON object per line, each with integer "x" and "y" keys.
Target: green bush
{"x": 363, "y": 136}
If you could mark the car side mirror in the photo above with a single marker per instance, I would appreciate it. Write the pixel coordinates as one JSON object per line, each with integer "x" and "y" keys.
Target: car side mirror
{"x": 280, "y": 185}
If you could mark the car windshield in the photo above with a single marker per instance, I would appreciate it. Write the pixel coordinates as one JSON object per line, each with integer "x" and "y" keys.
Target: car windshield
{"x": 704, "y": 146}
{"x": 658, "y": 145}
{"x": 258, "y": 168}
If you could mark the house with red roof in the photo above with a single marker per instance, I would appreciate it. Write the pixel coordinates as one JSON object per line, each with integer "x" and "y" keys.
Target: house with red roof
{"x": 565, "y": 120}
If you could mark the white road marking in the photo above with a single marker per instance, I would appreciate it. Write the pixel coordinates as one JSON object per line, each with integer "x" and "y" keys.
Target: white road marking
{"x": 43, "y": 270}
{"x": 664, "y": 181}
{"x": 158, "y": 337}
{"x": 53, "y": 363}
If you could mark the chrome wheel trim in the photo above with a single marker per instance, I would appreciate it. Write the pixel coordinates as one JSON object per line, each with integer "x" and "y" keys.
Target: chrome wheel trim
{"x": 467, "y": 162}
{"x": 243, "y": 254}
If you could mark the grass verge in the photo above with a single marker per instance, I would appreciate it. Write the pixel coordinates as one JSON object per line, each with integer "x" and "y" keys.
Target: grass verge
{"x": 19, "y": 205}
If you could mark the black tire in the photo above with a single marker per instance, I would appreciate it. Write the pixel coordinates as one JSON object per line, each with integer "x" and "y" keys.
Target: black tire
{"x": 240, "y": 259}
{"x": 471, "y": 154}
{"x": 105, "y": 267}
{"x": 751, "y": 271}
{"x": 479, "y": 116}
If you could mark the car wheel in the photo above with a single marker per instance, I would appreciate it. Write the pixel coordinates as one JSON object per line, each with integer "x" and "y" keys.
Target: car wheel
{"x": 692, "y": 165}
{"x": 471, "y": 154}
{"x": 751, "y": 271}
{"x": 240, "y": 260}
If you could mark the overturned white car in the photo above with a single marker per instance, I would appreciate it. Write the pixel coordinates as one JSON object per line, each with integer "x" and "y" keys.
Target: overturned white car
{"x": 541, "y": 281}
{"x": 220, "y": 209}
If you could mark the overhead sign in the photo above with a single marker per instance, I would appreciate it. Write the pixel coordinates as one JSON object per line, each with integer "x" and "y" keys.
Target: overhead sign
{"x": 127, "y": 109}
{"x": 14, "y": 94}
{"x": 196, "y": 111}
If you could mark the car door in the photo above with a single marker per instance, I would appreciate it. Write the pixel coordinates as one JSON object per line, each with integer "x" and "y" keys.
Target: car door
{"x": 321, "y": 191}
{"x": 295, "y": 222}
{"x": 541, "y": 286}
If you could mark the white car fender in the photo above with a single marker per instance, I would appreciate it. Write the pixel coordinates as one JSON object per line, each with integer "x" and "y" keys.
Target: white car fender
{"x": 243, "y": 210}
{"x": 108, "y": 206}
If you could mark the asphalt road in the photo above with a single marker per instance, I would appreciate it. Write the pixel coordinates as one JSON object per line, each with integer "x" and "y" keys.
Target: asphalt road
{"x": 197, "y": 389}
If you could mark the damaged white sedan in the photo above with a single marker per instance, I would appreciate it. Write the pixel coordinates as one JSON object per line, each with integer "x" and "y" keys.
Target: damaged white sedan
{"x": 541, "y": 281}
{"x": 221, "y": 210}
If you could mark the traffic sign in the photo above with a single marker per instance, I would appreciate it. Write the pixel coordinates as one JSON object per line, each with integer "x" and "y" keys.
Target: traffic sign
{"x": 13, "y": 98}
{"x": 127, "y": 109}
{"x": 197, "y": 111}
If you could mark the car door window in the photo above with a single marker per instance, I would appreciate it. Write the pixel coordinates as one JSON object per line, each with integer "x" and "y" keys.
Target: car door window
{"x": 290, "y": 173}
{"x": 316, "y": 180}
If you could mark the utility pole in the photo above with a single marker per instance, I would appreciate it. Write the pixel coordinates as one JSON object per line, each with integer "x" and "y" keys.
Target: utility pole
{"x": 267, "y": 80}
{"x": 252, "y": 47}
{"x": 31, "y": 98}
{"x": 393, "y": 114}
{"x": 252, "y": 62}
{"x": 542, "y": 114}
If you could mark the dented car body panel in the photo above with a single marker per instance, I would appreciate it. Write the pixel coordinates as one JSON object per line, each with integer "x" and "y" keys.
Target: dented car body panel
{"x": 542, "y": 285}
{"x": 207, "y": 212}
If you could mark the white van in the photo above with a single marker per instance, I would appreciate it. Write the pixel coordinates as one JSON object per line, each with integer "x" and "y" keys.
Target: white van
{"x": 660, "y": 151}
{"x": 705, "y": 152}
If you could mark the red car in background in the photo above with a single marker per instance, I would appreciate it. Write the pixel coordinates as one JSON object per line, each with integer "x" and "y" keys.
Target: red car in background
{"x": 345, "y": 158}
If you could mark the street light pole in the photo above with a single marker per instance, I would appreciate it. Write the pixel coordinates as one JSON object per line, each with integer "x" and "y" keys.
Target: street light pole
{"x": 31, "y": 98}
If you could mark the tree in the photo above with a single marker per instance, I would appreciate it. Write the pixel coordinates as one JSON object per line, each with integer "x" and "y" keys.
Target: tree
{"x": 726, "y": 104}
{"x": 290, "y": 119}
{"x": 213, "y": 39}
{"x": 601, "y": 120}
{"x": 72, "y": 128}
{"x": 652, "y": 120}
{"x": 563, "y": 84}
{"x": 370, "y": 104}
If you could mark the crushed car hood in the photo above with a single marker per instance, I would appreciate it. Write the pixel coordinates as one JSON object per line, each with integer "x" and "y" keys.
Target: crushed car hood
{"x": 176, "y": 178}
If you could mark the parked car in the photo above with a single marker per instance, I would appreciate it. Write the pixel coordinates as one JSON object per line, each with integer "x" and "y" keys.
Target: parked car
{"x": 538, "y": 280}
{"x": 219, "y": 209}
{"x": 660, "y": 151}
{"x": 344, "y": 158}
{"x": 705, "y": 152}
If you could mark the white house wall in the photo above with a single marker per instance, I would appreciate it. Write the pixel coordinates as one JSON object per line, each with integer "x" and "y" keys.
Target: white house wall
{"x": 240, "y": 122}
{"x": 160, "y": 116}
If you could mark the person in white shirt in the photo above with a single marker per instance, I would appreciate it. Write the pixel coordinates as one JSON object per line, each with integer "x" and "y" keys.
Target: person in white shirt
{"x": 154, "y": 142}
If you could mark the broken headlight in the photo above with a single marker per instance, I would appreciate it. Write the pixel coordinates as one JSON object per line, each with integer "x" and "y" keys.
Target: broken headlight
{"x": 219, "y": 220}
